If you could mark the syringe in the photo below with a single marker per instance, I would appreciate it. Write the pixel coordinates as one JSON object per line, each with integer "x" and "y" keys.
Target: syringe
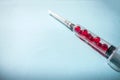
{"x": 109, "y": 51}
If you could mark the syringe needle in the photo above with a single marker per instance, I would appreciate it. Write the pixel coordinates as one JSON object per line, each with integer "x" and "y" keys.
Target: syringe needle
{"x": 103, "y": 47}
{"x": 62, "y": 20}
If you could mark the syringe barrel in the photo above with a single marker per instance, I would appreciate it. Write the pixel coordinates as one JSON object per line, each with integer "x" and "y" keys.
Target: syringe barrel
{"x": 97, "y": 43}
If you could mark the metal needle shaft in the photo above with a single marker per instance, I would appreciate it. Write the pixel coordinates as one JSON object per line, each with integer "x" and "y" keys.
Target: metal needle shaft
{"x": 62, "y": 20}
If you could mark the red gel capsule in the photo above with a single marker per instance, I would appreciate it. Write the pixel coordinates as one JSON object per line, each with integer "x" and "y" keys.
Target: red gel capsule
{"x": 90, "y": 37}
{"x": 85, "y": 32}
{"x": 77, "y": 29}
{"x": 99, "y": 44}
{"x": 104, "y": 46}
{"x": 97, "y": 39}
{"x": 80, "y": 32}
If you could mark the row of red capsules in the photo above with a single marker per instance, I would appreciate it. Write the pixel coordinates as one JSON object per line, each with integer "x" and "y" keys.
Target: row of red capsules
{"x": 103, "y": 47}
{"x": 94, "y": 41}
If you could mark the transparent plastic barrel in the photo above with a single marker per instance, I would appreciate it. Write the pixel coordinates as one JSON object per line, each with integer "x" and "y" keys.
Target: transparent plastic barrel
{"x": 91, "y": 39}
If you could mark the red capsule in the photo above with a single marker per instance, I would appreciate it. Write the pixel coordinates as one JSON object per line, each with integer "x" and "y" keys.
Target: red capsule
{"x": 99, "y": 44}
{"x": 97, "y": 39}
{"x": 77, "y": 29}
{"x": 85, "y": 32}
{"x": 80, "y": 32}
{"x": 104, "y": 46}
{"x": 90, "y": 37}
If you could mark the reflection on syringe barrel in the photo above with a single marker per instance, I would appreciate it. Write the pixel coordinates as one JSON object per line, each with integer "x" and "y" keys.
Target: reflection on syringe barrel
{"x": 100, "y": 45}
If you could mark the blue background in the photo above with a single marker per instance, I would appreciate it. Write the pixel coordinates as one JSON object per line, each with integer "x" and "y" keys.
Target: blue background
{"x": 33, "y": 45}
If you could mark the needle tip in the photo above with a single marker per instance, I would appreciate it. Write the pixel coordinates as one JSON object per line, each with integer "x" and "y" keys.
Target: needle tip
{"x": 49, "y": 11}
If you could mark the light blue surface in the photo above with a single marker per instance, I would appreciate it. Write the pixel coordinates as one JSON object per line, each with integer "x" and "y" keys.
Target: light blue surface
{"x": 35, "y": 45}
